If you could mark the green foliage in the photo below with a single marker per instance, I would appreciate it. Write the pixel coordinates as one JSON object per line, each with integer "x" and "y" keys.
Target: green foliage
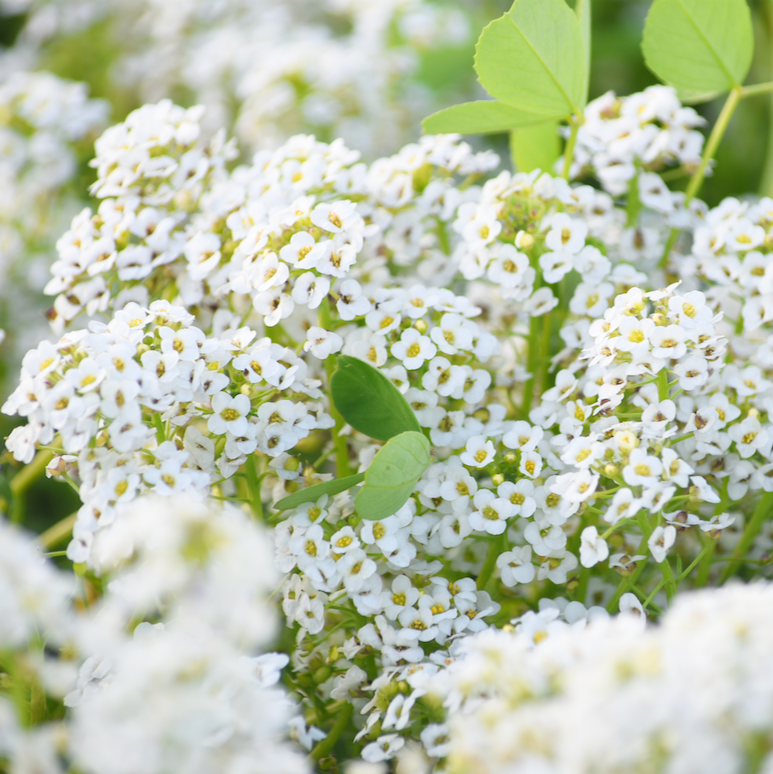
{"x": 312, "y": 493}
{"x": 536, "y": 147}
{"x": 393, "y": 475}
{"x": 483, "y": 117}
{"x": 369, "y": 402}
{"x": 701, "y": 47}
{"x": 533, "y": 58}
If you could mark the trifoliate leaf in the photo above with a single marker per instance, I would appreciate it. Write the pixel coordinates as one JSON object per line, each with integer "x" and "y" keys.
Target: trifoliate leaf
{"x": 702, "y": 47}
{"x": 533, "y": 58}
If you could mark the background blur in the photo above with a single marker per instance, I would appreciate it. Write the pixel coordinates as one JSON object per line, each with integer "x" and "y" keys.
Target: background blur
{"x": 364, "y": 70}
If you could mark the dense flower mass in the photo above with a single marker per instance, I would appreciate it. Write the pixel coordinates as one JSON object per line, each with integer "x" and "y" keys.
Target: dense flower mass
{"x": 386, "y": 461}
{"x": 515, "y": 706}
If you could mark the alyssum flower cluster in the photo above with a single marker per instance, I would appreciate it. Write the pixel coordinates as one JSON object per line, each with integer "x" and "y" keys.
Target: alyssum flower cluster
{"x": 600, "y": 440}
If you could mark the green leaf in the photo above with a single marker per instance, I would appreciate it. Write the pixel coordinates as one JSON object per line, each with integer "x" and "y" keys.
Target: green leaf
{"x": 583, "y": 11}
{"x": 393, "y": 475}
{"x": 369, "y": 402}
{"x": 702, "y": 47}
{"x": 536, "y": 147}
{"x": 312, "y": 493}
{"x": 533, "y": 58}
{"x": 482, "y": 117}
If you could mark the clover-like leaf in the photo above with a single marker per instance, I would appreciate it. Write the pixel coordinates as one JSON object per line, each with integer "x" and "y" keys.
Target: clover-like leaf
{"x": 533, "y": 58}
{"x": 312, "y": 493}
{"x": 369, "y": 402}
{"x": 393, "y": 475}
{"x": 702, "y": 47}
{"x": 482, "y": 117}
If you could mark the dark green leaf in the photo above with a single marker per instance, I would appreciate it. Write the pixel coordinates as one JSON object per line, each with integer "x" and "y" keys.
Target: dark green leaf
{"x": 312, "y": 493}
{"x": 392, "y": 476}
{"x": 369, "y": 402}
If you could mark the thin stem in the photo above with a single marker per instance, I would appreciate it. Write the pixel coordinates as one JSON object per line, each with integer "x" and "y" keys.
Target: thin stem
{"x": 339, "y": 441}
{"x": 24, "y": 479}
{"x": 760, "y": 516}
{"x": 253, "y": 486}
{"x": 663, "y": 385}
{"x": 713, "y": 142}
{"x": 325, "y": 747}
{"x": 757, "y": 88}
{"x": 53, "y": 536}
{"x": 495, "y": 549}
{"x": 628, "y": 581}
{"x": 531, "y": 365}
{"x": 569, "y": 150}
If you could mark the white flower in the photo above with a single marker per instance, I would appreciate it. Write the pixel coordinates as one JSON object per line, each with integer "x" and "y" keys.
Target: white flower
{"x": 322, "y": 343}
{"x": 413, "y": 349}
{"x": 229, "y": 414}
{"x": 661, "y": 539}
{"x": 593, "y": 548}
{"x": 515, "y": 566}
{"x": 478, "y": 453}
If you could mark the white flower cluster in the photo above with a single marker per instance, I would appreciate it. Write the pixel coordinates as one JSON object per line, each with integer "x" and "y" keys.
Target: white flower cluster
{"x": 185, "y": 690}
{"x": 148, "y": 402}
{"x": 338, "y": 68}
{"x": 279, "y": 233}
{"x": 45, "y": 122}
{"x": 694, "y": 693}
{"x": 645, "y": 131}
{"x": 731, "y": 254}
{"x": 34, "y": 597}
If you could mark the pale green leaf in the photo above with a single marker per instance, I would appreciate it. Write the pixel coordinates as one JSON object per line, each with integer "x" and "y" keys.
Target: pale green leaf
{"x": 392, "y": 476}
{"x": 482, "y": 117}
{"x": 312, "y": 493}
{"x": 536, "y": 147}
{"x": 369, "y": 402}
{"x": 533, "y": 58}
{"x": 702, "y": 47}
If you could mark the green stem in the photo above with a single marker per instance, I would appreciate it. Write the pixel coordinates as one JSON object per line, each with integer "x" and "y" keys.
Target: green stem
{"x": 663, "y": 384}
{"x": 628, "y": 581}
{"x": 495, "y": 549}
{"x": 53, "y": 536}
{"x": 633, "y": 203}
{"x": 760, "y": 516}
{"x": 713, "y": 142}
{"x": 339, "y": 441}
{"x": 531, "y": 366}
{"x": 569, "y": 150}
{"x": 665, "y": 566}
{"x": 325, "y": 747}
{"x": 757, "y": 88}
{"x": 24, "y": 479}
{"x": 253, "y": 486}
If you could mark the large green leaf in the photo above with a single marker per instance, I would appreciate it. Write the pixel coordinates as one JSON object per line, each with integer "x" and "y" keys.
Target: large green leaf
{"x": 702, "y": 47}
{"x": 393, "y": 475}
{"x": 312, "y": 493}
{"x": 583, "y": 11}
{"x": 482, "y": 117}
{"x": 533, "y": 58}
{"x": 369, "y": 402}
{"x": 536, "y": 147}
